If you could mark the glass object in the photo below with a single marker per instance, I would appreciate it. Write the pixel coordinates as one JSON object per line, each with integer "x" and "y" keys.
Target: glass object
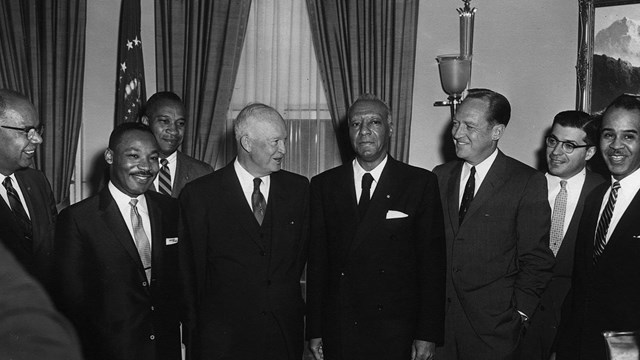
{"x": 455, "y": 72}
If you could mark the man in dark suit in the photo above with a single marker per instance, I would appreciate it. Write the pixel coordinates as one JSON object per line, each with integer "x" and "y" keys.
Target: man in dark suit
{"x": 376, "y": 260}
{"x": 166, "y": 116}
{"x": 27, "y": 209}
{"x": 497, "y": 229}
{"x": 571, "y": 143}
{"x": 605, "y": 292}
{"x": 117, "y": 258}
{"x": 243, "y": 248}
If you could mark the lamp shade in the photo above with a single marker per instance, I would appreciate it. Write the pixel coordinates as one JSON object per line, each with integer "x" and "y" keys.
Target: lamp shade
{"x": 455, "y": 72}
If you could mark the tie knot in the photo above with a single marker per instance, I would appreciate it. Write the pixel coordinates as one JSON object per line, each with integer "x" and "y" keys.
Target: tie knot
{"x": 164, "y": 162}
{"x": 615, "y": 186}
{"x": 133, "y": 202}
{"x": 7, "y": 182}
{"x": 563, "y": 184}
{"x": 473, "y": 171}
{"x": 367, "y": 180}
{"x": 256, "y": 184}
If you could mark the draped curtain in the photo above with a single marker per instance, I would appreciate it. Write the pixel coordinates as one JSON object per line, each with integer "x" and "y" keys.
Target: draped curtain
{"x": 198, "y": 45}
{"x": 367, "y": 46}
{"x": 43, "y": 49}
{"x": 278, "y": 67}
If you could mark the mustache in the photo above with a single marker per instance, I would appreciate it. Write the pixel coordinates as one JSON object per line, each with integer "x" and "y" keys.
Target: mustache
{"x": 142, "y": 173}
{"x": 615, "y": 152}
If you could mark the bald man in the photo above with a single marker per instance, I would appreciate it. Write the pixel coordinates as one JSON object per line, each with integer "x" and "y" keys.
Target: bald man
{"x": 27, "y": 208}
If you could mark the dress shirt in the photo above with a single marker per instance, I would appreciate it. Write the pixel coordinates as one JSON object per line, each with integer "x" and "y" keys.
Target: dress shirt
{"x": 629, "y": 186}
{"x": 122, "y": 200}
{"x": 358, "y": 172}
{"x": 173, "y": 165}
{"x": 574, "y": 188}
{"x": 14, "y": 183}
{"x": 481, "y": 172}
{"x": 246, "y": 181}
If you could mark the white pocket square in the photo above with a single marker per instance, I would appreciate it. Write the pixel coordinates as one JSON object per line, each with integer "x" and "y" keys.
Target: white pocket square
{"x": 394, "y": 214}
{"x": 171, "y": 241}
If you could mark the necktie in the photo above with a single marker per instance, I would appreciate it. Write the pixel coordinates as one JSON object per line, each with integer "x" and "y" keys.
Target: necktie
{"x": 365, "y": 197}
{"x": 467, "y": 196}
{"x": 258, "y": 203}
{"x": 164, "y": 178}
{"x": 557, "y": 218}
{"x": 603, "y": 224}
{"x": 18, "y": 209}
{"x": 140, "y": 238}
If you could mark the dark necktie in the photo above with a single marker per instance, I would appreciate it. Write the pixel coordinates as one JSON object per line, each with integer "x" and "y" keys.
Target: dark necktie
{"x": 257, "y": 201}
{"x": 467, "y": 196}
{"x": 164, "y": 178}
{"x": 365, "y": 197}
{"x": 557, "y": 218}
{"x": 18, "y": 209}
{"x": 603, "y": 224}
{"x": 140, "y": 238}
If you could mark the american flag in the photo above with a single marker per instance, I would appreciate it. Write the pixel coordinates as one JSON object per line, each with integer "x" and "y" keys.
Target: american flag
{"x": 130, "y": 86}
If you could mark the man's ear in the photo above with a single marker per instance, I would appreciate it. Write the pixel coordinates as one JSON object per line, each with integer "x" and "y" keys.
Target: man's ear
{"x": 498, "y": 130}
{"x": 591, "y": 150}
{"x": 108, "y": 156}
{"x": 245, "y": 142}
{"x": 145, "y": 120}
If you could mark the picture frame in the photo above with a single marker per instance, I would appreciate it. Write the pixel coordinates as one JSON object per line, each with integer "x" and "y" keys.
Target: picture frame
{"x": 605, "y": 66}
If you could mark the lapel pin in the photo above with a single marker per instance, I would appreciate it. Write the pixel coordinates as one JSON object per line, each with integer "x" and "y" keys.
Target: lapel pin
{"x": 388, "y": 196}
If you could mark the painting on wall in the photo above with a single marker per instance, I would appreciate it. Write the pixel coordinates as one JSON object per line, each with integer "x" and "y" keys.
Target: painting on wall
{"x": 609, "y": 52}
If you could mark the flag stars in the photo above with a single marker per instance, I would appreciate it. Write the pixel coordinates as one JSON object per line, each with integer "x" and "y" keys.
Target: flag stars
{"x": 129, "y": 45}
{"x": 136, "y": 41}
{"x": 123, "y": 66}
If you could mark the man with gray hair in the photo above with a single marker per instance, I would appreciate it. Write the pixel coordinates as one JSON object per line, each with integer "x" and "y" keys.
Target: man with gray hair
{"x": 243, "y": 248}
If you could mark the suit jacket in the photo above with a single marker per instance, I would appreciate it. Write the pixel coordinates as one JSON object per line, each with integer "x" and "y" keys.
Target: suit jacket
{"x": 187, "y": 169}
{"x": 377, "y": 283}
{"x": 240, "y": 274}
{"x": 30, "y": 328}
{"x": 102, "y": 285}
{"x": 42, "y": 210}
{"x": 540, "y": 335}
{"x": 498, "y": 259}
{"x": 603, "y": 297}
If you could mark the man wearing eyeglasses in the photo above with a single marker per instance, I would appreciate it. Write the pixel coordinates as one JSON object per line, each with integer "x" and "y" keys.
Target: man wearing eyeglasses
{"x": 571, "y": 143}
{"x": 605, "y": 291}
{"x": 27, "y": 209}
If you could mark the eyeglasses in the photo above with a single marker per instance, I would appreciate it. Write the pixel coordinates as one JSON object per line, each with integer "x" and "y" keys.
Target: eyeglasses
{"x": 567, "y": 147}
{"x": 29, "y": 130}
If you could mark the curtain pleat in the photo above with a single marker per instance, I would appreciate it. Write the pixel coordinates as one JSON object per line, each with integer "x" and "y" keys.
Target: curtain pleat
{"x": 198, "y": 46}
{"x": 43, "y": 54}
{"x": 367, "y": 46}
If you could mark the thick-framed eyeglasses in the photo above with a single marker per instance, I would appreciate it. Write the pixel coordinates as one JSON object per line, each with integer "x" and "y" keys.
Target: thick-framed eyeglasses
{"x": 567, "y": 147}
{"x": 30, "y": 131}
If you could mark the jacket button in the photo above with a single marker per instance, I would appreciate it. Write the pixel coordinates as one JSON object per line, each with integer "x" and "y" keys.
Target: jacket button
{"x": 152, "y": 308}
{"x": 342, "y": 274}
{"x": 380, "y": 307}
{"x": 355, "y": 323}
{"x": 263, "y": 253}
{"x": 381, "y": 271}
{"x": 144, "y": 283}
{"x": 152, "y": 337}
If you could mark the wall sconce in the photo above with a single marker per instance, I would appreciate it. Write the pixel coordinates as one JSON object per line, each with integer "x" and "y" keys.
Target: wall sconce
{"x": 455, "y": 69}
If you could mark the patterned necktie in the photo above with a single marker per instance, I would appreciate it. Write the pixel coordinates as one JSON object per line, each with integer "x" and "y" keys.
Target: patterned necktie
{"x": 557, "y": 218}
{"x": 258, "y": 204}
{"x": 164, "y": 178}
{"x": 140, "y": 238}
{"x": 18, "y": 209}
{"x": 603, "y": 224}
{"x": 467, "y": 196}
{"x": 365, "y": 197}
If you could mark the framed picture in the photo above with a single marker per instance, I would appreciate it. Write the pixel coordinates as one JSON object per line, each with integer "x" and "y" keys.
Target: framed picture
{"x": 608, "y": 52}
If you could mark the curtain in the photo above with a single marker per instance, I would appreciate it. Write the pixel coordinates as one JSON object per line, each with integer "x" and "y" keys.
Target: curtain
{"x": 198, "y": 44}
{"x": 278, "y": 67}
{"x": 367, "y": 46}
{"x": 43, "y": 48}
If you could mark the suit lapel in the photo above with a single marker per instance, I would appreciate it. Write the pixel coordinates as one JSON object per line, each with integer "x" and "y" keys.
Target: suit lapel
{"x": 453, "y": 196}
{"x": 181, "y": 176}
{"x": 239, "y": 207}
{"x": 37, "y": 212}
{"x": 627, "y": 223}
{"x": 493, "y": 180}
{"x": 110, "y": 214}
{"x": 157, "y": 238}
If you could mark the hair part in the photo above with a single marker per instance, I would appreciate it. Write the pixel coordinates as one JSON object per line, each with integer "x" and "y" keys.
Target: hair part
{"x": 119, "y": 131}
{"x": 498, "y": 107}
{"x": 579, "y": 120}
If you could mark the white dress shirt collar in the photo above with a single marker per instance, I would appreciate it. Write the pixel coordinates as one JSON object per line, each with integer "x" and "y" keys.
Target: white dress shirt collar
{"x": 481, "y": 172}
{"x": 172, "y": 164}
{"x": 122, "y": 200}
{"x": 358, "y": 172}
{"x": 246, "y": 181}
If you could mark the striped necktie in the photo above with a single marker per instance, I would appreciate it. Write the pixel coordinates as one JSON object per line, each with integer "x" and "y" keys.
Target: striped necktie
{"x": 603, "y": 224}
{"x": 164, "y": 178}
{"x": 18, "y": 210}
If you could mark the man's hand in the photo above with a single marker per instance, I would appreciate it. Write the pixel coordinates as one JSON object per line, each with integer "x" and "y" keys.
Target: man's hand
{"x": 315, "y": 345}
{"x": 423, "y": 350}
